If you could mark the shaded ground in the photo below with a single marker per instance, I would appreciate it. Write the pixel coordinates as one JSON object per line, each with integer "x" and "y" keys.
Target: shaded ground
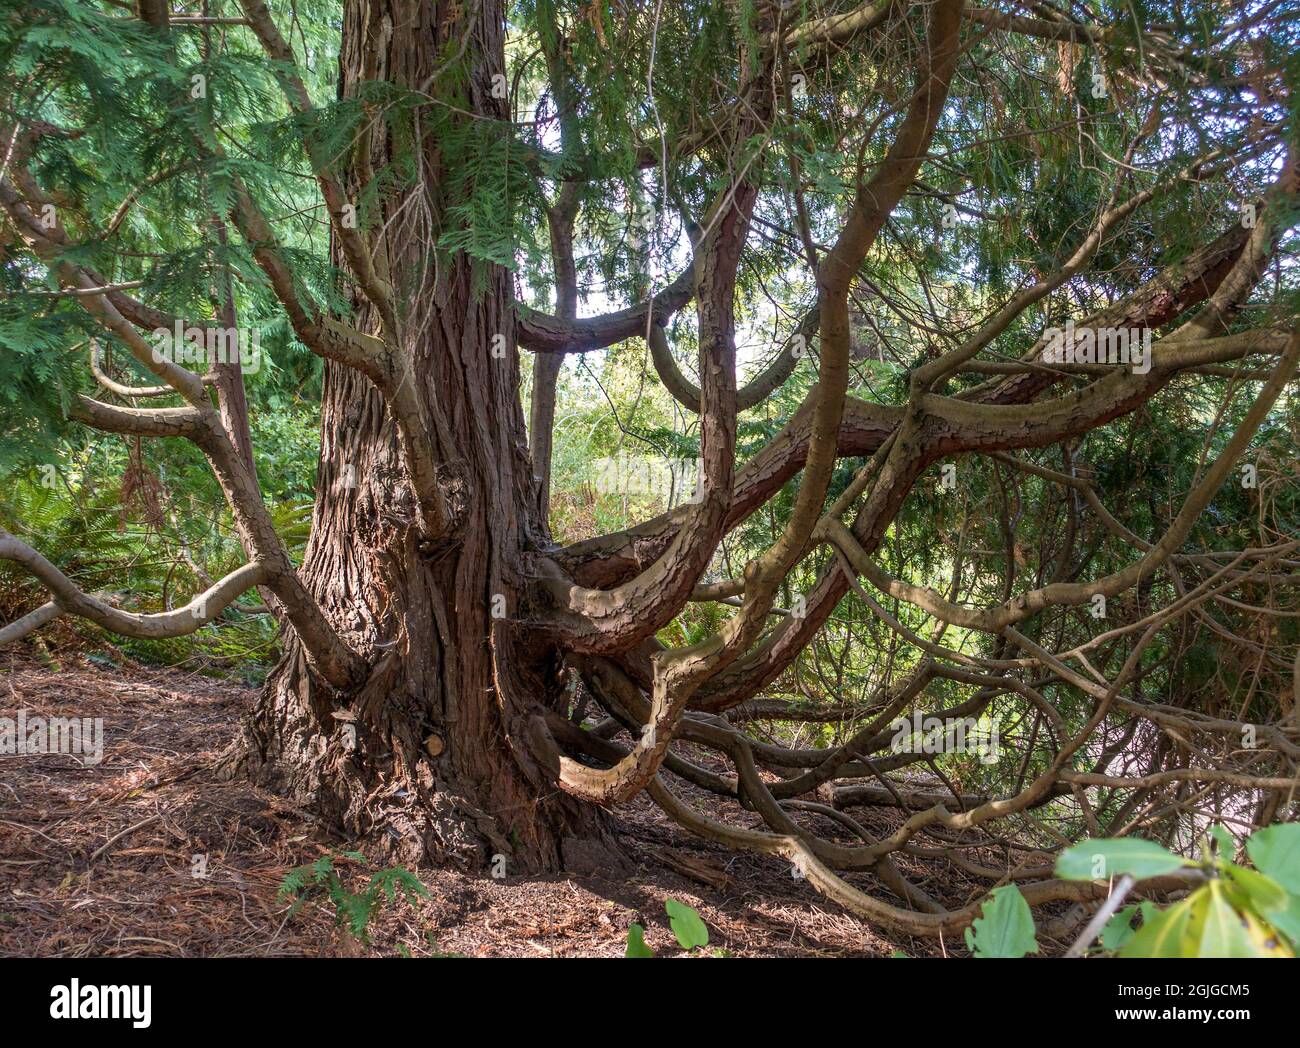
{"x": 101, "y": 859}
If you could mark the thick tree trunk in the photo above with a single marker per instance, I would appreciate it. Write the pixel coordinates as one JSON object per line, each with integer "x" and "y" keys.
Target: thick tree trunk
{"x": 433, "y": 757}
{"x": 436, "y": 757}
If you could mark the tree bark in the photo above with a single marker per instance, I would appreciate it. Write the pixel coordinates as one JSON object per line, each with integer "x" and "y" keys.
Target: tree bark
{"x": 440, "y": 755}
{"x": 546, "y": 366}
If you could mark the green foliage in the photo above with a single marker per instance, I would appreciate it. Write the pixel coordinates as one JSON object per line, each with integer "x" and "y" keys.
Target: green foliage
{"x": 1005, "y": 927}
{"x": 352, "y": 910}
{"x": 1099, "y": 859}
{"x": 1275, "y": 851}
{"x": 1236, "y": 912}
{"x": 1119, "y": 929}
{"x": 80, "y": 525}
{"x": 1210, "y": 922}
{"x": 149, "y": 533}
{"x": 490, "y": 177}
{"x": 687, "y": 925}
{"x": 636, "y": 944}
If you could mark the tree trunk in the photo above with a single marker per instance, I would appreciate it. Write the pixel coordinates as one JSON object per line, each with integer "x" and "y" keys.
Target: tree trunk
{"x": 438, "y": 756}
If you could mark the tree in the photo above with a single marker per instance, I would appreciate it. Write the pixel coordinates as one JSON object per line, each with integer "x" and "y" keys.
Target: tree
{"x": 954, "y": 183}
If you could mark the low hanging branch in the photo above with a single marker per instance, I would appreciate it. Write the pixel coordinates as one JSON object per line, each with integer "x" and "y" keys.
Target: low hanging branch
{"x": 178, "y": 622}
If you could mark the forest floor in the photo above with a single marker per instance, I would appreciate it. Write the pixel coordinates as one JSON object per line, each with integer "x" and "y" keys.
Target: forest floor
{"x": 101, "y": 859}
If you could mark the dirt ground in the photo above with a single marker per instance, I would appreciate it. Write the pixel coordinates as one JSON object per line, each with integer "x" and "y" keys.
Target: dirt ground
{"x": 98, "y": 860}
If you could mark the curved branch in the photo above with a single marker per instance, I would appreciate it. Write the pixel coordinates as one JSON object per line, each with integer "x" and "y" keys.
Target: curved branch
{"x": 756, "y": 390}
{"x": 139, "y": 422}
{"x": 1024, "y": 605}
{"x": 143, "y": 392}
{"x": 544, "y": 333}
{"x": 30, "y": 622}
{"x": 68, "y": 597}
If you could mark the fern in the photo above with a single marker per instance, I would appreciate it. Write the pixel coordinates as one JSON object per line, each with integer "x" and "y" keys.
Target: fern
{"x": 352, "y": 910}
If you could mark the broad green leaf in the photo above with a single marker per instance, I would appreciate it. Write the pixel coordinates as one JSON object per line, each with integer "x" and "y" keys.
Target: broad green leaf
{"x": 636, "y": 945}
{"x": 1163, "y": 931}
{"x": 1275, "y": 850}
{"x": 1269, "y": 899}
{"x": 1119, "y": 929}
{"x": 1265, "y": 939}
{"x": 1287, "y": 920}
{"x": 1219, "y": 929}
{"x": 1102, "y": 859}
{"x": 1216, "y": 929}
{"x": 686, "y": 924}
{"x": 1264, "y": 894}
{"x": 1005, "y": 927}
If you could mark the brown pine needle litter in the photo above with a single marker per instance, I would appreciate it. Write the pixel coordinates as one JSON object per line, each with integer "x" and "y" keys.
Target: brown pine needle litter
{"x": 150, "y": 853}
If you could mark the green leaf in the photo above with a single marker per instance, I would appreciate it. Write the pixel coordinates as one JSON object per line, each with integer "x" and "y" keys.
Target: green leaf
{"x": 1096, "y": 860}
{"x": 1287, "y": 920}
{"x": 1265, "y": 940}
{"x": 396, "y": 878}
{"x": 1275, "y": 851}
{"x": 636, "y": 946}
{"x": 1006, "y": 927}
{"x": 1205, "y": 924}
{"x": 354, "y": 911}
{"x": 1119, "y": 929}
{"x": 1218, "y": 929}
{"x": 686, "y": 924}
{"x": 1162, "y": 931}
{"x": 1263, "y": 893}
{"x": 1270, "y": 900}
